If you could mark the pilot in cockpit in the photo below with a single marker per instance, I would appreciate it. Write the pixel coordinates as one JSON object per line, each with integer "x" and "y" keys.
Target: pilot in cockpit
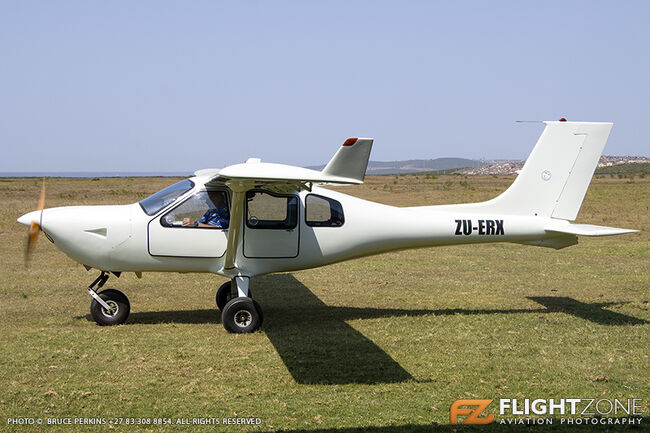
{"x": 217, "y": 215}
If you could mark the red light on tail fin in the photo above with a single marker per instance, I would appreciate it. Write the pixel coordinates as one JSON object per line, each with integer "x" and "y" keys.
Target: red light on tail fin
{"x": 563, "y": 120}
{"x": 350, "y": 141}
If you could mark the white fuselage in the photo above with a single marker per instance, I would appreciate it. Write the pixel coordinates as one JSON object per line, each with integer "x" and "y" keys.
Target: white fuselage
{"x": 264, "y": 237}
{"x": 124, "y": 238}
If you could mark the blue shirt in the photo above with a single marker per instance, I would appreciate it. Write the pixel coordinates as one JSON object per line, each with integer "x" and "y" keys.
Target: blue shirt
{"x": 219, "y": 217}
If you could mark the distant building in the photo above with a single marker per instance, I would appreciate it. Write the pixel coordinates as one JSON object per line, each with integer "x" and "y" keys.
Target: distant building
{"x": 509, "y": 167}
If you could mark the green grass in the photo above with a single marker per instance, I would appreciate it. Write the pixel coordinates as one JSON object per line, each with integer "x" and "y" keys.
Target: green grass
{"x": 384, "y": 343}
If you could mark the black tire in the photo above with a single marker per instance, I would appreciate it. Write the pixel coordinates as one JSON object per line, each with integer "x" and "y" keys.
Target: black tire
{"x": 224, "y": 294}
{"x": 115, "y": 299}
{"x": 242, "y": 315}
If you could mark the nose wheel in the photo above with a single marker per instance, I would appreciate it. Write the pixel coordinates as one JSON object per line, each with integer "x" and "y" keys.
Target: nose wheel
{"x": 110, "y": 306}
{"x": 117, "y": 311}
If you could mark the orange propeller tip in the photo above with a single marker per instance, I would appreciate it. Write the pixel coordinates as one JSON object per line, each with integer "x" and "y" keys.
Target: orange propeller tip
{"x": 34, "y": 228}
{"x": 41, "y": 201}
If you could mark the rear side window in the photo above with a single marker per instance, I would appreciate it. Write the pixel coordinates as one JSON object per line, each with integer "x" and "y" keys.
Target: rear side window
{"x": 269, "y": 211}
{"x": 323, "y": 211}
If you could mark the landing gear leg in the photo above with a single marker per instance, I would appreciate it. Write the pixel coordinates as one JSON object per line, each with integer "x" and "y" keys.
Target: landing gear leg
{"x": 241, "y": 314}
{"x": 110, "y": 307}
{"x": 224, "y": 294}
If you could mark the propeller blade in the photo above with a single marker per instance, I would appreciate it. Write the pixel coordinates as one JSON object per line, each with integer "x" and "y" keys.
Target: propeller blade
{"x": 32, "y": 236}
{"x": 41, "y": 201}
{"x": 34, "y": 228}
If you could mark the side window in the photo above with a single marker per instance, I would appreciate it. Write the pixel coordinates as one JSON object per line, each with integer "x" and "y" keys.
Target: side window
{"x": 205, "y": 209}
{"x": 323, "y": 211}
{"x": 268, "y": 211}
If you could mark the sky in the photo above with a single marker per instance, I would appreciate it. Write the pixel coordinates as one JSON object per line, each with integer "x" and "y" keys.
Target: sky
{"x": 168, "y": 86}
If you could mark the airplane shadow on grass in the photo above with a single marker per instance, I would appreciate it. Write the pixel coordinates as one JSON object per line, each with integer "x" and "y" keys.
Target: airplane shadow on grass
{"x": 319, "y": 347}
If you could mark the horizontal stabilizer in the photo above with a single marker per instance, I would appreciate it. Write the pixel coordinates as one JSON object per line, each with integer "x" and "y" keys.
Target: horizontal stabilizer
{"x": 586, "y": 229}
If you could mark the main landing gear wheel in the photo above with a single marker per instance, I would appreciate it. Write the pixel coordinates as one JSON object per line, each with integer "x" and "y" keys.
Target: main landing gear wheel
{"x": 119, "y": 308}
{"x": 242, "y": 315}
{"x": 224, "y": 294}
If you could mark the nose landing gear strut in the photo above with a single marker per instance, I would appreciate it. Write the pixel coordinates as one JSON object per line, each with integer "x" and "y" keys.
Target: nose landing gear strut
{"x": 110, "y": 306}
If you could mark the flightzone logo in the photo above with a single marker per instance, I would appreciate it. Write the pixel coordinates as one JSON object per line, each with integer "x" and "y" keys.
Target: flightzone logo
{"x": 571, "y": 411}
{"x": 472, "y": 409}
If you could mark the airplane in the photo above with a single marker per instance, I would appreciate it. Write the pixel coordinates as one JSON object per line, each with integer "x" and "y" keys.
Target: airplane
{"x": 279, "y": 218}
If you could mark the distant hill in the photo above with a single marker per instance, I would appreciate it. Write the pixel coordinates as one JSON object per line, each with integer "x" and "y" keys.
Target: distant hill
{"x": 417, "y": 165}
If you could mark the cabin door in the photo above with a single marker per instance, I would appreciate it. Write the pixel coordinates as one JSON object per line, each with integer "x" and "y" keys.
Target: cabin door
{"x": 271, "y": 229}
{"x": 197, "y": 227}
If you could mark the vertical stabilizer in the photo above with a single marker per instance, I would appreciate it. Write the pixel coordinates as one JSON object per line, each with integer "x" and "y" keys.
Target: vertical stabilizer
{"x": 555, "y": 177}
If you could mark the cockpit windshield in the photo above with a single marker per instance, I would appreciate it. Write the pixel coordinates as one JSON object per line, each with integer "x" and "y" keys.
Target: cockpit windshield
{"x": 161, "y": 199}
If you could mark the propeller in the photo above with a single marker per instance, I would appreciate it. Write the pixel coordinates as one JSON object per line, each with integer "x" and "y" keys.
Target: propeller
{"x": 34, "y": 228}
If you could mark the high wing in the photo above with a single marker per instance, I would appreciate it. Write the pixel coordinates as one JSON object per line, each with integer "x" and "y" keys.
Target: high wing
{"x": 347, "y": 166}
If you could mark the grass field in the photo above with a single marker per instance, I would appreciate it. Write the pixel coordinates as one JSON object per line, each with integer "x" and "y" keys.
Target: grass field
{"x": 384, "y": 343}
